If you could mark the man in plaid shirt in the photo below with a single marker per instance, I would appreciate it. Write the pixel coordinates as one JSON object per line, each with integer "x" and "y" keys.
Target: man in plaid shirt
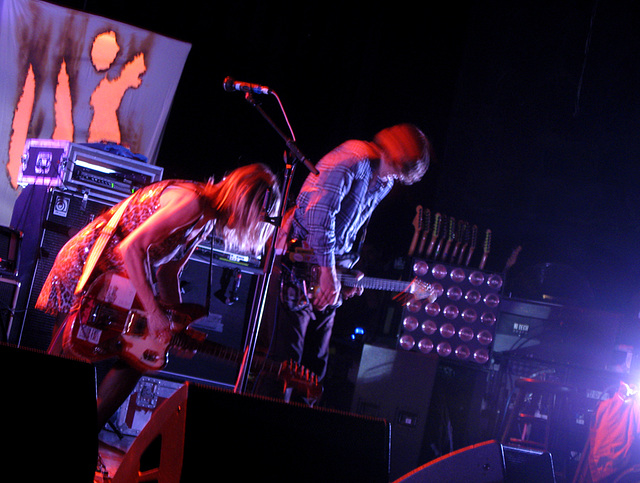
{"x": 331, "y": 209}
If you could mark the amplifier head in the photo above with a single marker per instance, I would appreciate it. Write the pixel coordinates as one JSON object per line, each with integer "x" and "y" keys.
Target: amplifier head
{"x": 42, "y": 162}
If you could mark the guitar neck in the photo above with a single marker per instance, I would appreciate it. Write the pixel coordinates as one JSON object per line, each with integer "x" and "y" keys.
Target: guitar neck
{"x": 414, "y": 243}
{"x": 372, "y": 283}
{"x": 219, "y": 351}
{"x": 292, "y": 375}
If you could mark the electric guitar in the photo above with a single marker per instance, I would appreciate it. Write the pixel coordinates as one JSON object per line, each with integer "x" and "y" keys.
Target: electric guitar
{"x": 426, "y": 228}
{"x": 451, "y": 236}
{"x": 111, "y": 323}
{"x": 513, "y": 258}
{"x": 443, "y": 236}
{"x": 417, "y": 226}
{"x": 435, "y": 234}
{"x": 486, "y": 248}
{"x": 300, "y": 279}
{"x": 417, "y": 288}
{"x": 459, "y": 237}
{"x": 472, "y": 244}
{"x": 466, "y": 238}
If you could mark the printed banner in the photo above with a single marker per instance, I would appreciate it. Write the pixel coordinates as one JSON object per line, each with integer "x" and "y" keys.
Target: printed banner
{"x": 68, "y": 75}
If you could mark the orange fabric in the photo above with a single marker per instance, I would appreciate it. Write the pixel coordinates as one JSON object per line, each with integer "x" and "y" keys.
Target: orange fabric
{"x": 614, "y": 436}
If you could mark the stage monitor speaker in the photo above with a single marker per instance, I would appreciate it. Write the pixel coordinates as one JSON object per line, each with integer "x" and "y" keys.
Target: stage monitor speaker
{"x": 487, "y": 462}
{"x": 230, "y": 308}
{"x": 397, "y": 386}
{"x": 233, "y": 437}
{"x": 479, "y": 463}
{"x": 526, "y": 466}
{"x": 66, "y": 214}
{"x": 49, "y": 415}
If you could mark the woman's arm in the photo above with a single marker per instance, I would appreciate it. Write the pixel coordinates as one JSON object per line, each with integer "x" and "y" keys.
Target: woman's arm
{"x": 178, "y": 207}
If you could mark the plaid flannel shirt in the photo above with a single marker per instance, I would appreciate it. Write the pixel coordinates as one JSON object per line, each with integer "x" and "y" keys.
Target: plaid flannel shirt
{"x": 333, "y": 206}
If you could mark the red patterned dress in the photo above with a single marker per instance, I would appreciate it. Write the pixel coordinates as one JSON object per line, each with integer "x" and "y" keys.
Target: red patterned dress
{"x": 57, "y": 295}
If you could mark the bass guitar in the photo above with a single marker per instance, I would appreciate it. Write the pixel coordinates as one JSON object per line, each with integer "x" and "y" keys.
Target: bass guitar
{"x": 110, "y": 323}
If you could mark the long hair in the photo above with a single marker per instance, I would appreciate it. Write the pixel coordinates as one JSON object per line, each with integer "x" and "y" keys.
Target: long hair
{"x": 242, "y": 201}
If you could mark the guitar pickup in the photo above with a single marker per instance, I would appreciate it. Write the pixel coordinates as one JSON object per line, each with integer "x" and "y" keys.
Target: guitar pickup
{"x": 136, "y": 323}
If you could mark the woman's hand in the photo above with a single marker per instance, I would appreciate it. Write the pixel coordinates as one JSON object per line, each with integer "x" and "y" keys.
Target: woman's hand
{"x": 159, "y": 326}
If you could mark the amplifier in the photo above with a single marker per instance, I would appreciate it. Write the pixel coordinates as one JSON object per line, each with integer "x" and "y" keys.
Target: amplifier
{"x": 110, "y": 176}
{"x": 42, "y": 162}
{"x": 103, "y": 173}
{"x": 10, "y": 242}
{"x": 66, "y": 213}
{"x": 231, "y": 302}
{"x": 576, "y": 336}
{"x": 213, "y": 249}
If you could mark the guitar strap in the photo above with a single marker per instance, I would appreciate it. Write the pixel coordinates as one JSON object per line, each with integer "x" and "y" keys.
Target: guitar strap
{"x": 363, "y": 235}
{"x": 209, "y": 279}
{"x": 99, "y": 245}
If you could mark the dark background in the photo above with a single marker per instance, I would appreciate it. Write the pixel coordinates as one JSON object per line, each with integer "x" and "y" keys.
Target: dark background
{"x": 533, "y": 109}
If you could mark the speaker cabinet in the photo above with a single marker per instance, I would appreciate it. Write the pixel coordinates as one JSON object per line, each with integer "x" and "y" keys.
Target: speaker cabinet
{"x": 233, "y": 437}
{"x": 65, "y": 214}
{"x": 479, "y": 463}
{"x": 397, "y": 386}
{"x": 49, "y": 414}
{"x": 526, "y": 466}
{"x": 487, "y": 462}
{"x": 230, "y": 299}
{"x": 9, "y": 292}
{"x": 10, "y": 241}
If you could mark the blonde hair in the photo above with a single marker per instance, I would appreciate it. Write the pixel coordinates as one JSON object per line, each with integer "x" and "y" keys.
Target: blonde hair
{"x": 243, "y": 199}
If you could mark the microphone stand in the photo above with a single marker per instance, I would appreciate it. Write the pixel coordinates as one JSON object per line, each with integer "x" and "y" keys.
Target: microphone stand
{"x": 262, "y": 289}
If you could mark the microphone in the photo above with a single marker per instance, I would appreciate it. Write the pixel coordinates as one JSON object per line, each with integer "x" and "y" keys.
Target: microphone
{"x": 231, "y": 85}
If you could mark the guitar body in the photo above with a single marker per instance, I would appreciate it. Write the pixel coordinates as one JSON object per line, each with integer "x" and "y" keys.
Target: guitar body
{"x": 111, "y": 323}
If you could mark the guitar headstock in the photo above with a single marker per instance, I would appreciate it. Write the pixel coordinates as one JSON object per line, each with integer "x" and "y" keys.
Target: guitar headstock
{"x": 437, "y": 222}
{"x": 473, "y": 241}
{"x": 486, "y": 247}
{"x": 301, "y": 379}
{"x": 460, "y": 231}
{"x": 417, "y": 220}
{"x": 418, "y": 290}
{"x": 426, "y": 220}
{"x": 451, "y": 230}
{"x": 511, "y": 261}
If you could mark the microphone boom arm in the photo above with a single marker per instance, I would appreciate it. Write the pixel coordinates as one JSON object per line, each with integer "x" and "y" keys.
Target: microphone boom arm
{"x": 289, "y": 142}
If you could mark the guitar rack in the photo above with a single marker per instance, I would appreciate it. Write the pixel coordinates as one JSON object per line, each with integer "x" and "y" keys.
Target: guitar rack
{"x": 446, "y": 239}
